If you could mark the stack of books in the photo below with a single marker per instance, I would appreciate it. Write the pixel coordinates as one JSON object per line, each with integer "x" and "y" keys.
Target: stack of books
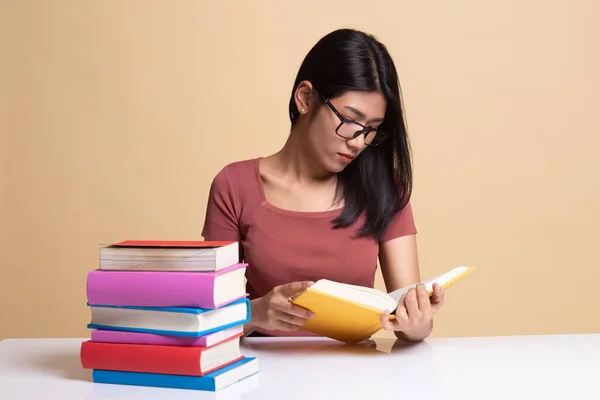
{"x": 168, "y": 314}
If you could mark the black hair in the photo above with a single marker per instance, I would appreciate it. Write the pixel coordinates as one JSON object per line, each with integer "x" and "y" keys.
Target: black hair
{"x": 379, "y": 181}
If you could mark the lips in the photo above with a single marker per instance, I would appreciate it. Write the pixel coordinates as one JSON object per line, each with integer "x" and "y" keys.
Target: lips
{"x": 348, "y": 156}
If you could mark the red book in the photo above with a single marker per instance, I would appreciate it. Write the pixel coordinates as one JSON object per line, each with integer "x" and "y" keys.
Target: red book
{"x": 158, "y": 359}
{"x": 171, "y": 243}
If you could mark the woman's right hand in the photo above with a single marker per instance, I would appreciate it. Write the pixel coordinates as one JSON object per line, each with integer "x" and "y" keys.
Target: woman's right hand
{"x": 275, "y": 310}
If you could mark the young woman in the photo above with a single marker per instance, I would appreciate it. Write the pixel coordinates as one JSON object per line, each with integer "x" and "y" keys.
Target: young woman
{"x": 334, "y": 199}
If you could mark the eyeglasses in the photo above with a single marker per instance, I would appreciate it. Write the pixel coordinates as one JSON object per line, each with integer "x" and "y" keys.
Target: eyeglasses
{"x": 350, "y": 129}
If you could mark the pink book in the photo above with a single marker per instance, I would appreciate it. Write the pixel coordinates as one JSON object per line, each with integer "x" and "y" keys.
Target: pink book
{"x": 167, "y": 289}
{"x": 106, "y": 336}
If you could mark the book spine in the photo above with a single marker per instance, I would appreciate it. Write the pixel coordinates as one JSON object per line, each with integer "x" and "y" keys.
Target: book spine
{"x": 195, "y": 334}
{"x": 107, "y": 336}
{"x": 151, "y": 289}
{"x": 154, "y": 380}
{"x": 171, "y": 360}
{"x": 141, "y": 358}
{"x": 241, "y": 369}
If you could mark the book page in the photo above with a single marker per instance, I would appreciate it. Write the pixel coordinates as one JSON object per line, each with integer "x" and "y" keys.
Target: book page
{"x": 358, "y": 294}
{"x": 441, "y": 280}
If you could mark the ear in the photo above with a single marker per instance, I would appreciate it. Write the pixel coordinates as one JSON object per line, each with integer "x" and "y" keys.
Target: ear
{"x": 303, "y": 97}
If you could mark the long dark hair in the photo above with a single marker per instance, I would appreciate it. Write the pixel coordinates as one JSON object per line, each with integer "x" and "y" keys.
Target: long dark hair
{"x": 379, "y": 181}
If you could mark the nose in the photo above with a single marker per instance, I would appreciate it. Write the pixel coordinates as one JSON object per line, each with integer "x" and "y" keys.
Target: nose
{"x": 357, "y": 144}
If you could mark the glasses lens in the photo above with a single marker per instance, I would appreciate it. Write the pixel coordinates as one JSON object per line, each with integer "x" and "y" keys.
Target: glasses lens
{"x": 350, "y": 130}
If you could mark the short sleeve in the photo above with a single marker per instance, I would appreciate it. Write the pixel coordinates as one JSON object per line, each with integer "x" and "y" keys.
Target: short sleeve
{"x": 221, "y": 221}
{"x": 403, "y": 224}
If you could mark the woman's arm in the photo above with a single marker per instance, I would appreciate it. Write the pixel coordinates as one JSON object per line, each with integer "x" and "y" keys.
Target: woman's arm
{"x": 221, "y": 222}
{"x": 400, "y": 267}
{"x": 399, "y": 262}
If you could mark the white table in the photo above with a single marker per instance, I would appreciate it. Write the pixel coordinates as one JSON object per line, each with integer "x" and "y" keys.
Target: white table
{"x": 527, "y": 367}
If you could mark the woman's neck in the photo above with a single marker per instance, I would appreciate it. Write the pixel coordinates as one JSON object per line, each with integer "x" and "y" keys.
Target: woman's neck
{"x": 295, "y": 162}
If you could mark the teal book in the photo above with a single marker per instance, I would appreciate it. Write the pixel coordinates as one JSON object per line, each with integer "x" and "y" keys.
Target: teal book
{"x": 212, "y": 382}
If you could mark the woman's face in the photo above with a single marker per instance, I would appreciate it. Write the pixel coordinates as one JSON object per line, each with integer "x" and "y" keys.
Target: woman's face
{"x": 332, "y": 151}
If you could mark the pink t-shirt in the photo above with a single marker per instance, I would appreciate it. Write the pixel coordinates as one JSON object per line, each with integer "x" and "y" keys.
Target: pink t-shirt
{"x": 283, "y": 246}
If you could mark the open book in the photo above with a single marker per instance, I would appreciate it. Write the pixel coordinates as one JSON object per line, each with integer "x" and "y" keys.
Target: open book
{"x": 351, "y": 313}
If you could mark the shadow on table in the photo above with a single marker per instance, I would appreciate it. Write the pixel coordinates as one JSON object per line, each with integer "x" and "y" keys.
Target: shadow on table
{"x": 236, "y": 391}
{"x": 65, "y": 365}
{"x": 318, "y": 346}
{"x": 382, "y": 368}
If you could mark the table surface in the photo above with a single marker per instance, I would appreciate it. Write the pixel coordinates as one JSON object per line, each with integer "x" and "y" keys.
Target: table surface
{"x": 547, "y": 366}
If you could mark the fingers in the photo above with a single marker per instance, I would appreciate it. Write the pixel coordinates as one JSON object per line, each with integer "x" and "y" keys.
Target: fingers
{"x": 293, "y": 288}
{"x": 401, "y": 311}
{"x": 423, "y": 300}
{"x": 437, "y": 292}
{"x": 278, "y": 317}
{"x": 284, "y": 303}
{"x": 437, "y": 299}
{"x": 286, "y": 326}
{"x": 295, "y": 310}
{"x": 412, "y": 304}
{"x": 401, "y": 317}
{"x": 281, "y": 313}
{"x": 422, "y": 295}
{"x": 291, "y": 319}
{"x": 291, "y": 316}
{"x": 415, "y": 308}
{"x": 386, "y": 323}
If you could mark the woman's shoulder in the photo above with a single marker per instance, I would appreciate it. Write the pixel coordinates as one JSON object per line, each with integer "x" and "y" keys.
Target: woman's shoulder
{"x": 237, "y": 178}
{"x": 238, "y": 171}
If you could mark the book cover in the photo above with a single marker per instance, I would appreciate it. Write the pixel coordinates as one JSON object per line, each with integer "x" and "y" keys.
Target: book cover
{"x": 213, "y": 381}
{"x": 106, "y": 336}
{"x": 175, "y": 360}
{"x": 165, "y": 321}
{"x": 168, "y": 255}
{"x": 167, "y": 288}
{"x": 339, "y": 318}
{"x": 344, "y": 318}
{"x": 172, "y": 243}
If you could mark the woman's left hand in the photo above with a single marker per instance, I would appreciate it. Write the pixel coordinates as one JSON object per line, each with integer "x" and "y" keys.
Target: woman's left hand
{"x": 415, "y": 312}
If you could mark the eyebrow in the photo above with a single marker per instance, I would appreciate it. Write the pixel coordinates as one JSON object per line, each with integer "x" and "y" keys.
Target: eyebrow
{"x": 362, "y": 115}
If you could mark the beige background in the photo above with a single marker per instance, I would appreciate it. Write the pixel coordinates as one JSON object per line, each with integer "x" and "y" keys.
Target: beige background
{"x": 116, "y": 115}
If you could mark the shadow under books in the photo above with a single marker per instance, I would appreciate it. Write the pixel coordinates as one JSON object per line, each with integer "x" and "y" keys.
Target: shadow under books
{"x": 66, "y": 365}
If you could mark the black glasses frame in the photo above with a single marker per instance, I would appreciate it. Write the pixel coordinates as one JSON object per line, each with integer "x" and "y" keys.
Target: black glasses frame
{"x": 380, "y": 136}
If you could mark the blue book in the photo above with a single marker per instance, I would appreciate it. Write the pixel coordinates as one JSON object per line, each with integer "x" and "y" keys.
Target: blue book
{"x": 172, "y": 321}
{"x": 213, "y": 381}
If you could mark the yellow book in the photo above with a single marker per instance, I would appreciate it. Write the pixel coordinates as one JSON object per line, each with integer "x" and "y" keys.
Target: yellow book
{"x": 351, "y": 313}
